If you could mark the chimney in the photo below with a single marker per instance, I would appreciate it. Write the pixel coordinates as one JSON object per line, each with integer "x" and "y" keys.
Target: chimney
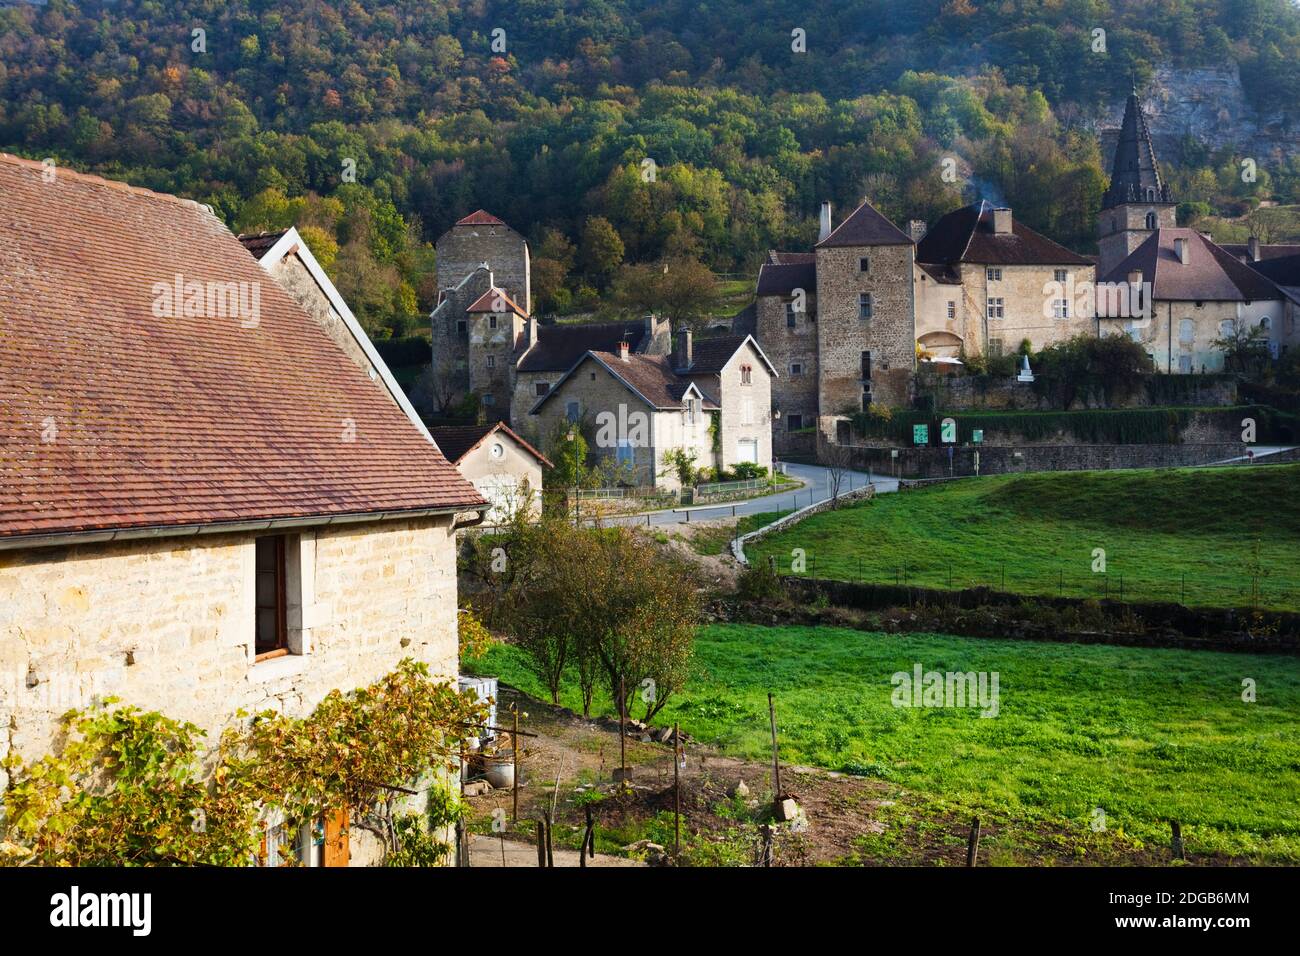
{"x": 1253, "y": 246}
{"x": 531, "y": 333}
{"x": 1002, "y": 222}
{"x": 683, "y": 354}
{"x": 916, "y": 228}
{"x": 623, "y": 348}
{"x": 1182, "y": 249}
{"x": 825, "y": 229}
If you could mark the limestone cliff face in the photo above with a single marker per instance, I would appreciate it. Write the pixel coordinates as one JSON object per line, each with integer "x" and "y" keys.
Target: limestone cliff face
{"x": 1208, "y": 104}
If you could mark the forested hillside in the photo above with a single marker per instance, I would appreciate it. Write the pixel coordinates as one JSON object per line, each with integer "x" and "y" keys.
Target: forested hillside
{"x": 263, "y": 113}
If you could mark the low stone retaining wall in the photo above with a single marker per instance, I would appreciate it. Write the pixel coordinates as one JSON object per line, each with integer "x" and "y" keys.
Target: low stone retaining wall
{"x": 794, "y": 517}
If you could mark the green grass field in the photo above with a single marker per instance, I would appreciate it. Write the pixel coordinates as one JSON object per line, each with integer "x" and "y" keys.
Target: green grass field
{"x": 1146, "y": 735}
{"x": 1221, "y": 531}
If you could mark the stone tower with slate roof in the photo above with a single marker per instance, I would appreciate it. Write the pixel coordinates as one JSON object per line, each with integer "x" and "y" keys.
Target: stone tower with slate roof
{"x": 1138, "y": 201}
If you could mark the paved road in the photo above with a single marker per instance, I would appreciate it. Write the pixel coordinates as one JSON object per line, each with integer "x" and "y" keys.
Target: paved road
{"x": 816, "y": 487}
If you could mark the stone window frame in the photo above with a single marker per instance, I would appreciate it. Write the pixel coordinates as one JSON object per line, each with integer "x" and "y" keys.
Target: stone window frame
{"x": 572, "y": 411}
{"x": 796, "y": 368}
{"x": 1061, "y": 275}
{"x": 791, "y": 315}
{"x": 993, "y": 274}
{"x": 300, "y": 611}
{"x": 1061, "y": 308}
{"x": 491, "y": 361}
{"x": 462, "y": 328}
{"x": 996, "y": 307}
{"x": 866, "y": 306}
{"x": 541, "y": 388}
{"x": 952, "y": 309}
{"x": 492, "y": 322}
{"x": 747, "y": 375}
{"x": 864, "y": 265}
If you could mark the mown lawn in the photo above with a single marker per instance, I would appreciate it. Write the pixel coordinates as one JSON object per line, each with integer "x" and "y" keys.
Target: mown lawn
{"x": 1145, "y": 735}
{"x": 1200, "y": 536}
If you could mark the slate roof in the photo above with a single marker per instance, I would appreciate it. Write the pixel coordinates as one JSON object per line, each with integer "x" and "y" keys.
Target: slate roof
{"x": 559, "y": 346}
{"x": 865, "y": 227}
{"x": 457, "y": 441}
{"x": 1212, "y": 274}
{"x": 1135, "y": 174}
{"x": 776, "y": 257}
{"x": 113, "y": 418}
{"x": 966, "y": 235}
{"x": 783, "y": 278}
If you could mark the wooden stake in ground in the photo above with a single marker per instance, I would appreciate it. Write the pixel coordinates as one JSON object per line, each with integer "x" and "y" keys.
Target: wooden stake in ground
{"x": 973, "y": 842}
{"x": 550, "y": 851}
{"x": 588, "y": 838}
{"x": 1180, "y": 852}
{"x": 541, "y": 841}
{"x": 776, "y": 757}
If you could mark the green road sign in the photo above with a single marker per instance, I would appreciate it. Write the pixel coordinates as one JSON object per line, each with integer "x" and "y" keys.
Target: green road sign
{"x": 977, "y": 435}
{"x": 920, "y": 434}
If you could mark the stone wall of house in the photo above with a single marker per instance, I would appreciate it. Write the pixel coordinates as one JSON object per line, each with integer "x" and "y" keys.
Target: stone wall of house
{"x": 936, "y": 332}
{"x": 492, "y": 360}
{"x": 1026, "y": 293}
{"x": 842, "y": 336}
{"x": 1123, "y": 228}
{"x": 746, "y": 409}
{"x": 449, "y": 328}
{"x": 1180, "y": 336}
{"x": 596, "y": 391}
{"x": 462, "y": 249}
{"x": 525, "y": 397}
{"x": 167, "y": 624}
{"x": 794, "y": 353}
{"x": 512, "y": 482}
{"x": 293, "y": 275}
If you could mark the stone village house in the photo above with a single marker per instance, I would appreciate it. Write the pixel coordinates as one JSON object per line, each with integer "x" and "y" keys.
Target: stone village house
{"x": 505, "y": 469}
{"x": 710, "y": 404}
{"x": 209, "y": 501}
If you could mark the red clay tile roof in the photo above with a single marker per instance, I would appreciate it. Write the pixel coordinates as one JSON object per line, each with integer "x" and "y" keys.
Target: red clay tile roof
{"x": 487, "y": 302}
{"x": 480, "y": 218}
{"x": 112, "y": 418}
{"x": 457, "y": 441}
{"x": 966, "y": 235}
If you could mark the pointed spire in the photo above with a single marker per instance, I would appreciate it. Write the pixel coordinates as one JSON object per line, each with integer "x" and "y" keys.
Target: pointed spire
{"x": 1135, "y": 174}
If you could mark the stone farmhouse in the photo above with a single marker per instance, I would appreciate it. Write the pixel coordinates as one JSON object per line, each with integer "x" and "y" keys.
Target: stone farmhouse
{"x": 212, "y": 498}
{"x": 505, "y": 469}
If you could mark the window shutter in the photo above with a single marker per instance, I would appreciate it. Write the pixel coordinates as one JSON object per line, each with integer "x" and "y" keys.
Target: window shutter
{"x": 336, "y": 837}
